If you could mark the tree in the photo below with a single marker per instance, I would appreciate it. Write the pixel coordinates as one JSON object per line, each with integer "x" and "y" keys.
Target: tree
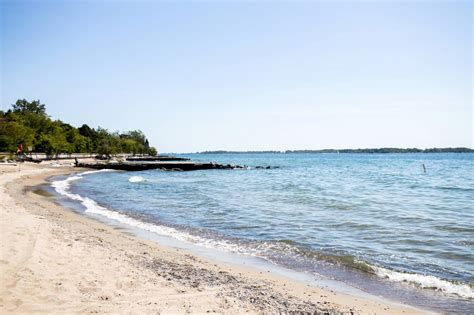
{"x": 12, "y": 134}
{"x": 152, "y": 151}
{"x": 139, "y": 137}
{"x": 34, "y": 107}
{"x": 27, "y": 123}
{"x": 129, "y": 146}
{"x": 53, "y": 141}
{"x": 107, "y": 143}
{"x": 79, "y": 143}
{"x": 87, "y": 131}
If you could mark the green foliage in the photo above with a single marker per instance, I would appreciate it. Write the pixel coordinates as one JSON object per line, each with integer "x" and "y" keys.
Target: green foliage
{"x": 13, "y": 133}
{"x": 27, "y": 123}
{"x": 152, "y": 151}
{"x": 34, "y": 107}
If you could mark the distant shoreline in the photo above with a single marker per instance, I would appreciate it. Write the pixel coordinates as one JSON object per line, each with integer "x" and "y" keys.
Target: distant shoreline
{"x": 374, "y": 150}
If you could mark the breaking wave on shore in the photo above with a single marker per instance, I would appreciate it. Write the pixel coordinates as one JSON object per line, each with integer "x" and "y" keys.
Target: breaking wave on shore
{"x": 427, "y": 282}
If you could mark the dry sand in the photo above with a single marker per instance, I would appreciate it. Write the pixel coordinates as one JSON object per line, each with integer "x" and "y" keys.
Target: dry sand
{"x": 53, "y": 260}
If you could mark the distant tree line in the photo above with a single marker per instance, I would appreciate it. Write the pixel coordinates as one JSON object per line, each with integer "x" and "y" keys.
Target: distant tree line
{"x": 27, "y": 123}
{"x": 377, "y": 150}
{"x": 388, "y": 150}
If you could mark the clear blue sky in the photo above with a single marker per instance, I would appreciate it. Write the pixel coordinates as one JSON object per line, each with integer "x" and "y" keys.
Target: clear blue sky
{"x": 248, "y": 76}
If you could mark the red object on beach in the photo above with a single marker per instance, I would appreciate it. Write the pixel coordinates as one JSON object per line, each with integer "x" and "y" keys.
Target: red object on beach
{"x": 20, "y": 148}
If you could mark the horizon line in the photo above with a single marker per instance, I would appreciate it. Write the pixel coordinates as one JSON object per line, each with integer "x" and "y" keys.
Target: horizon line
{"x": 345, "y": 150}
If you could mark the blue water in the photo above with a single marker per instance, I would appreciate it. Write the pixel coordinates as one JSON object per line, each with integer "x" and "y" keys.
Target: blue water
{"x": 380, "y": 218}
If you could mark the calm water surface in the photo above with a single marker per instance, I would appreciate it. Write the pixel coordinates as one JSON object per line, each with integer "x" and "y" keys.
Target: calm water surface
{"x": 376, "y": 221}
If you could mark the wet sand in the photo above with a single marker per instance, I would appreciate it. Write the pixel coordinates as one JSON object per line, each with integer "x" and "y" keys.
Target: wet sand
{"x": 53, "y": 260}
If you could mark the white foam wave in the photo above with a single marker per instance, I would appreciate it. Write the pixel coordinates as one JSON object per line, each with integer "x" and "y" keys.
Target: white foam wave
{"x": 62, "y": 186}
{"x": 136, "y": 179}
{"x": 426, "y": 282}
{"x": 92, "y": 207}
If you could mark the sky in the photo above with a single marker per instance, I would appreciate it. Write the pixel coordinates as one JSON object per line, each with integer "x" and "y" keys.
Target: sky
{"x": 196, "y": 76}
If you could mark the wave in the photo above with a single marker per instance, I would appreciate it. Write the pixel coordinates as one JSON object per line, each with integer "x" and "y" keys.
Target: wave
{"x": 62, "y": 186}
{"x": 92, "y": 207}
{"x": 262, "y": 249}
{"x": 136, "y": 179}
{"x": 427, "y": 282}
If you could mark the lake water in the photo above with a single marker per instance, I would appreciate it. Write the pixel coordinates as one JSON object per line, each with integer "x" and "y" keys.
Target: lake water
{"x": 378, "y": 222}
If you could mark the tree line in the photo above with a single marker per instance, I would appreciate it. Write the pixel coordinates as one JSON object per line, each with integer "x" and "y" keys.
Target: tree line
{"x": 27, "y": 124}
{"x": 374, "y": 150}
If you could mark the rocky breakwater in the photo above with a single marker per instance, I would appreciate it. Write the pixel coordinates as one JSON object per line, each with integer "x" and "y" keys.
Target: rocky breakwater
{"x": 156, "y": 158}
{"x": 163, "y": 165}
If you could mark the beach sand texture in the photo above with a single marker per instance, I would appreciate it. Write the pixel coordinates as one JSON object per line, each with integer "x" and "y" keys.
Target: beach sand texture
{"x": 53, "y": 260}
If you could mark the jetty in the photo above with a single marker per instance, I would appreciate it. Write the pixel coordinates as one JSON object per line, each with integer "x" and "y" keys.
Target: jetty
{"x": 155, "y": 158}
{"x": 162, "y": 165}
{"x": 135, "y": 163}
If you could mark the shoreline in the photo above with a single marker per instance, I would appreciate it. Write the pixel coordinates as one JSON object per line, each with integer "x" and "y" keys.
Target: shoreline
{"x": 61, "y": 261}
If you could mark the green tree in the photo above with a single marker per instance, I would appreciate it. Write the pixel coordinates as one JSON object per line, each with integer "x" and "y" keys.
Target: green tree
{"x": 12, "y": 134}
{"x": 140, "y": 138}
{"x": 27, "y": 123}
{"x": 34, "y": 107}
{"x": 130, "y": 146}
{"x": 87, "y": 131}
{"x": 53, "y": 140}
{"x": 152, "y": 151}
{"x": 78, "y": 142}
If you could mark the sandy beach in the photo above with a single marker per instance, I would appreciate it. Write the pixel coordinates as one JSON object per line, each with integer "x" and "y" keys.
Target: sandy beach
{"x": 53, "y": 260}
